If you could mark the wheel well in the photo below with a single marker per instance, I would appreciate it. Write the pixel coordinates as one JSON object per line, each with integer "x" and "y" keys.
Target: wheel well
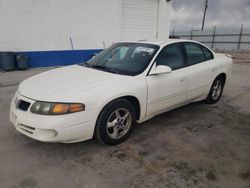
{"x": 223, "y": 76}
{"x": 135, "y": 102}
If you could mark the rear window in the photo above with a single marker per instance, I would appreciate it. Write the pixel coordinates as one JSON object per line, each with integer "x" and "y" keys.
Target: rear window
{"x": 194, "y": 53}
{"x": 208, "y": 54}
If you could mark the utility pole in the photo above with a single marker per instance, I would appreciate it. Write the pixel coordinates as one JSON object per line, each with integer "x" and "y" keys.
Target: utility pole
{"x": 204, "y": 16}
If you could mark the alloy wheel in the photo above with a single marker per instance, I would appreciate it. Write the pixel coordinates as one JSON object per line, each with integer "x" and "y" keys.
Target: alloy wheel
{"x": 118, "y": 123}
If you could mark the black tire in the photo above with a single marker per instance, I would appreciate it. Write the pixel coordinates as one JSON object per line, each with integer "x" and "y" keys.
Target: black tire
{"x": 211, "y": 99}
{"x": 102, "y": 133}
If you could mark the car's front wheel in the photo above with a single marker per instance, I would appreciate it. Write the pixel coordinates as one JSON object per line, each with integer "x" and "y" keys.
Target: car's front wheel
{"x": 215, "y": 91}
{"x": 115, "y": 122}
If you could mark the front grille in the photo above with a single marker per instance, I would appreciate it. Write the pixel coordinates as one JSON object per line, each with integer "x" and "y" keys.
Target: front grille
{"x": 23, "y": 105}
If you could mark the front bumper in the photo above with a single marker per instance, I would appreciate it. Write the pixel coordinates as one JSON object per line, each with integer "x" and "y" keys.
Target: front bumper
{"x": 67, "y": 128}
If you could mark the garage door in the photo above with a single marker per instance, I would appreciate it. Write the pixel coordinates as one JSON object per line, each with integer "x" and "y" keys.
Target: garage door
{"x": 139, "y": 19}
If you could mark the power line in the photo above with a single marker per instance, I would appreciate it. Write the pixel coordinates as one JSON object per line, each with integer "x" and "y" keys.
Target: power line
{"x": 204, "y": 15}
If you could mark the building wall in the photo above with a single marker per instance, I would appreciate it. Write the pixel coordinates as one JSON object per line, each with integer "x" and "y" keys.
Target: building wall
{"x": 145, "y": 19}
{"x": 139, "y": 19}
{"x": 36, "y": 27}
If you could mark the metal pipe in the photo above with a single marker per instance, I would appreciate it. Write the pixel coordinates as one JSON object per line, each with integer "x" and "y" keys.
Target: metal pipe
{"x": 240, "y": 36}
{"x": 213, "y": 37}
{"x": 71, "y": 43}
{"x": 204, "y": 15}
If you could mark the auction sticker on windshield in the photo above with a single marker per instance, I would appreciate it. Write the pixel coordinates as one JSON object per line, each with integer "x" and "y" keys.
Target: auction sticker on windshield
{"x": 145, "y": 49}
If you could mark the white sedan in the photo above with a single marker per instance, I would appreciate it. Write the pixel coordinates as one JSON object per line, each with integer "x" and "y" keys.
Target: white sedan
{"x": 127, "y": 83}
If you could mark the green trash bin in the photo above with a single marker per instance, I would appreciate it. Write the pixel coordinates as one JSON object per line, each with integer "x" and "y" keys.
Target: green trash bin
{"x": 22, "y": 62}
{"x": 7, "y": 61}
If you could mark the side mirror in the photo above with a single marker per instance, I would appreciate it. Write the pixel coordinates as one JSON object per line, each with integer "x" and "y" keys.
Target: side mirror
{"x": 160, "y": 69}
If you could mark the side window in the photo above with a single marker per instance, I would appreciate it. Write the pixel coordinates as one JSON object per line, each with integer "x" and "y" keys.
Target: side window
{"x": 171, "y": 56}
{"x": 194, "y": 53}
{"x": 207, "y": 53}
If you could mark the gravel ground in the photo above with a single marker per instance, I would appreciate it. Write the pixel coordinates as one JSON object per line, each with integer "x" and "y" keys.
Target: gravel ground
{"x": 198, "y": 146}
{"x": 239, "y": 56}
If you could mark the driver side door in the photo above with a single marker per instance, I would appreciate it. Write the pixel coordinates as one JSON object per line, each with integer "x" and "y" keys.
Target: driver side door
{"x": 169, "y": 90}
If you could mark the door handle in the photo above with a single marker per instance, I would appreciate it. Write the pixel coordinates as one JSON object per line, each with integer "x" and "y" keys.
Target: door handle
{"x": 183, "y": 79}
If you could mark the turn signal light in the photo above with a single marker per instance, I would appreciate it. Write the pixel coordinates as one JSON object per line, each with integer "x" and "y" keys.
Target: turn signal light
{"x": 60, "y": 109}
{"x": 76, "y": 107}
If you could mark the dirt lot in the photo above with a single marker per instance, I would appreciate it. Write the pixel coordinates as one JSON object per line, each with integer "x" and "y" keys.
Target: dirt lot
{"x": 194, "y": 146}
{"x": 239, "y": 56}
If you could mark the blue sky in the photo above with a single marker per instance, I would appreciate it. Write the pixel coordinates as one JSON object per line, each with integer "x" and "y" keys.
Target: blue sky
{"x": 221, "y": 13}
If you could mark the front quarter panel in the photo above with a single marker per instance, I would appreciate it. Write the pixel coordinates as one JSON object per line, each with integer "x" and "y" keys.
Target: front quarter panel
{"x": 130, "y": 86}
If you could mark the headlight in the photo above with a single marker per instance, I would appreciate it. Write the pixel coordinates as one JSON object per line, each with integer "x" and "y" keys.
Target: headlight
{"x": 47, "y": 108}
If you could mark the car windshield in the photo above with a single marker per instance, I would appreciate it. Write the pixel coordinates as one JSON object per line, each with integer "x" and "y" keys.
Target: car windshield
{"x": 124, "y": 58}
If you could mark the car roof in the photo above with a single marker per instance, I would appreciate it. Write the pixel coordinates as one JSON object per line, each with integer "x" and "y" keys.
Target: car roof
{"x": 158, "y": 42}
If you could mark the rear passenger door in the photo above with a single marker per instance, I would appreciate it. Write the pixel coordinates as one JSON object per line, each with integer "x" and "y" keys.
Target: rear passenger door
{"x": 199, "y": 62}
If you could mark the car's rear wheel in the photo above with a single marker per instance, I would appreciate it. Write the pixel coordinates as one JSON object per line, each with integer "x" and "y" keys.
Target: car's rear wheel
{"x": 115, "y": 122}
{"x": 215, "y": 91}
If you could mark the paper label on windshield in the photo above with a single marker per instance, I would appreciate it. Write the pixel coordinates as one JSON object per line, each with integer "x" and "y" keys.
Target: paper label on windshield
{"x": 145, "y": 49}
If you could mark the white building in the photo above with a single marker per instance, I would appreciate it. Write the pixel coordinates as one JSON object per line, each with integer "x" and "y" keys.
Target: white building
{"x": 59, "y": 25}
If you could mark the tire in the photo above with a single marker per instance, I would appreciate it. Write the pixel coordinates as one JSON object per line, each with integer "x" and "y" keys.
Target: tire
{"x": 215, "y": 91}
{"x": 115, "y": 122}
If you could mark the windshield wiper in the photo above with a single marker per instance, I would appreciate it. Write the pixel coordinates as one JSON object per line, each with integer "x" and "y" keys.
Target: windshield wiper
{"x": 91, "y": 66}
{"x": 103, "y": 68}
{"x": 99, "y": 67}
{"x": 84, "y": 64}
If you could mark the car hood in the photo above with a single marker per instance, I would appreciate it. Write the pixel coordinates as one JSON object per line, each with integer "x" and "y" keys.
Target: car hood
{"x": 58, "y": 84}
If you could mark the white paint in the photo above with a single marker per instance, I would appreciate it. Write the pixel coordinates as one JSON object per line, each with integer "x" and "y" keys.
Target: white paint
{"x": 94, "y": 88}
{"x": 164, "y": 14}
{"x": 49, "y": 24}
{"x": 31, "y": 25}
{"x": 139, "y": 19}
